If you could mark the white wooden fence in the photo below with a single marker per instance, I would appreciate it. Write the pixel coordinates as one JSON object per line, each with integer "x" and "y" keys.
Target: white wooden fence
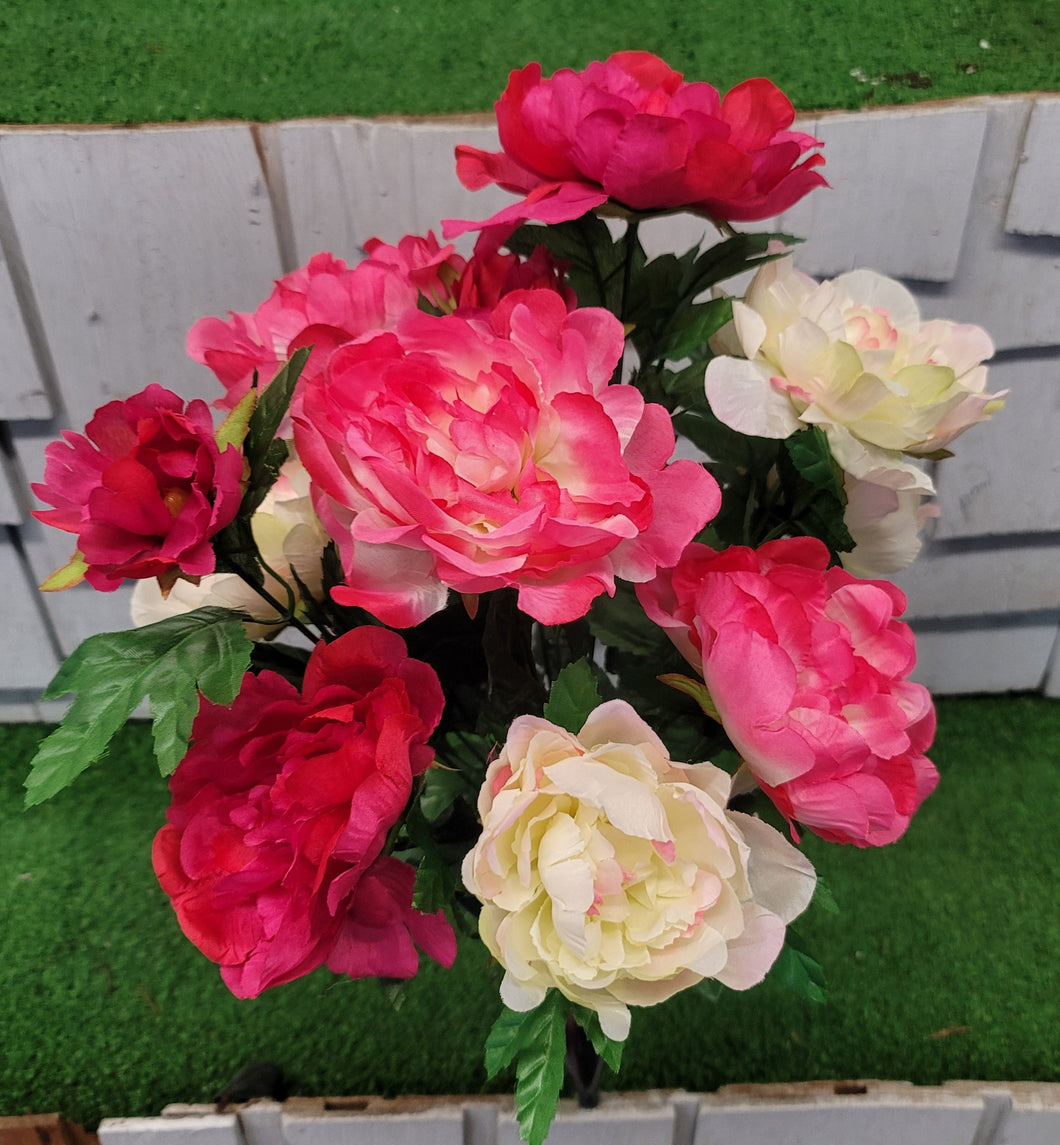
{"x": 115, "y": 240}
{"x": 839, "y": 1113}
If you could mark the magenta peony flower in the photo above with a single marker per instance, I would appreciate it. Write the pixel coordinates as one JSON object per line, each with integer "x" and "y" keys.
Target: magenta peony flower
{"x": 807, "y": 668}
{"x": 271, "y": 852}
{"x": 631, "y": 131}
{"x": 479, "y": 453}
{"x": 144, "y": 488}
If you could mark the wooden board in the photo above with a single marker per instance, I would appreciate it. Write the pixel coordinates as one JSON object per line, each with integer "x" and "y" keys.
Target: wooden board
{"x": 128, "y": 237}
{"x": 1034, "y": 208}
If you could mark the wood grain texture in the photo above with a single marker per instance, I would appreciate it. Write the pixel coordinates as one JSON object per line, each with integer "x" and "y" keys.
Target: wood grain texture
{"x": 128, "y": 237}
{"x": 1034, "y": 208}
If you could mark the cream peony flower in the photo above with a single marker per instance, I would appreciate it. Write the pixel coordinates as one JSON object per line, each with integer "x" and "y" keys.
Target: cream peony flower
{"x": 288, "y": 536}
{"x": 617, "y": 876}
{"x": 885, "y": 526}
{"x": 851, "y": 355}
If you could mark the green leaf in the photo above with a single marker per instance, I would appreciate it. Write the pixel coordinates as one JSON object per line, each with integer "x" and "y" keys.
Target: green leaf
{"x": 694, "y": 328}
{"x": 169, "y": 663}
{"x": 620, "y": 621}
{"x": 233, "y": 429}
{"x": 818, "y": 508}
{"x": 823, "y": 897}
{"x": 69, "y": 575}
{"x": 441, "y": 789}
{"x": 594, "y": 259}
{"x": 264, "y": 453}
{"x": 797, "y": 971}
{"x": 573, "y": 697}
{"x": 610, "y": 1051}
{"x": 506, "y": 1037}
{"x": 539, "y": 1069}
{"x": 812, "y": 457}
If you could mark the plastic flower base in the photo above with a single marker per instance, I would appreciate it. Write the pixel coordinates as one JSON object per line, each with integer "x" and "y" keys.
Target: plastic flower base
{"x": 857, "y": 1112}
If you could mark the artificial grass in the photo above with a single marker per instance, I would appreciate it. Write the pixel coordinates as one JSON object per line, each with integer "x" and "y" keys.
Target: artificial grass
{"x": 125, "y": 61}
{"x": 941, "y": 964}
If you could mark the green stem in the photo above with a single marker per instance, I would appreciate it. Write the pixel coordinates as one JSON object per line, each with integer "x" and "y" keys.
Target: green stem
{"x": 630, "y": 238}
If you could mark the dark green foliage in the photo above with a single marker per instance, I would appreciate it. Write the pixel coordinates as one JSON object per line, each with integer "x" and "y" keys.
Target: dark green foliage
{"x": 169, "y": 663}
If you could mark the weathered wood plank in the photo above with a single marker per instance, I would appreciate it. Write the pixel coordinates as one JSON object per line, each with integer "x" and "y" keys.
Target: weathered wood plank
{"x": 22, "y": 392}
{"x": 10, "y": 490}
{"x": 349, "y": 180}
{"x": 29, "y": 661}
{"x": 1004, "y": 476}
{"x": 991, "y": 657}
{"x": 1034, "y": 208}
{"x": 947, "y": 581}
{"x": 1006, "y": 283}
{"x": 901, "y": 186}
{"x": 129, "y": 236}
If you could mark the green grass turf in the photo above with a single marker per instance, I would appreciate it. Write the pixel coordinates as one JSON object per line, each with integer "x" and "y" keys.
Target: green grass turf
{"x": 942, "y": 964}
{"x": 126, "y": 61}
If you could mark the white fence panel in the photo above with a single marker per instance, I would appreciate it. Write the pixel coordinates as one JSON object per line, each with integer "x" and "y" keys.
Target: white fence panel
{"x": 117, "y": 240}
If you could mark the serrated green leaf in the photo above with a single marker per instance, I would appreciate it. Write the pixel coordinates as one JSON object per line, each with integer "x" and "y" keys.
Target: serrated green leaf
{"x": 709, "y": 988}
{"x": 441, "y": 789}
{"x": 798, "y": 972}
{"x": 506, "y": 1037}
{"x": 695, "y": 327}
{"x": 812, "y": 457}
{"x": 434, "y": 884}
{"x": 609, "y": 1050}
{"x": 168, "y": 663}
{"x": 573, "y": 697}
{"x": 539, "y": 1068}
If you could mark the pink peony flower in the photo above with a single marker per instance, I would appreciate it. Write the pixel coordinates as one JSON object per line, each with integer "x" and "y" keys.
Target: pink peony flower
{"x": 322, "y": 304}
{"x": 480, "y": 453}
{"x": 631, "y": 131}
{"x": 807, "y": 668}
{"x": 272, "y": 850}
{"x": 144, "y": 488}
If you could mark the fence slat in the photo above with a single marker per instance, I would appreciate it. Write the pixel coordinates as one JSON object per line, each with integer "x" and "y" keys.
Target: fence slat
{"x": 28, "y": 661}
{"x": 1004, "y": 476}
{"x": 878, "y": 164}
{"x": 22, "y": 393}
{"x": 1034, "y": 208}
{"x": 128, "y": 237}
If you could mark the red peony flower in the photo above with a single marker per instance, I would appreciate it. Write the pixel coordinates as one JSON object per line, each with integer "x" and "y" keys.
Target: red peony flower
{"x": 807, "y": 668}
{"x": 490, "y": 452}
{"x": 144, "y": 488}
{"x": 631, "y": 131}
{"x": 272, "y": 850}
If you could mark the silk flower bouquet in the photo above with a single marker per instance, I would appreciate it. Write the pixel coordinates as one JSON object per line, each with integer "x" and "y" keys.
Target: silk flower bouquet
{"x": 436, "y": 631}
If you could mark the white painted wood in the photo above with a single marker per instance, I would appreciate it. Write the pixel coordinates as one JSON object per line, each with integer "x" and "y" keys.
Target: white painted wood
{"x": 619, "y": 1119}
{"x": 991, "y": 657}
{"x": 10, "y": 491}
{"x": 27, "y": 660}
{"x": 1027, "y": 1126}
{"x": 1034, "y": 208}
{"x": 348, "y": 180}
{"x": 128, "y": 237}
{"x": 1004, "y": 476}
{"x": 443, "y": 1125}
{"x": 853, "y": 1122}
{"x": 262, "y": 1123}
{"x": 901, "y": 185}
{"x": 22, "y": 393}
{"x": 1005, "y": 283}
{"x": 944, "y": 582}
{"x": 204, "y": 1129}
